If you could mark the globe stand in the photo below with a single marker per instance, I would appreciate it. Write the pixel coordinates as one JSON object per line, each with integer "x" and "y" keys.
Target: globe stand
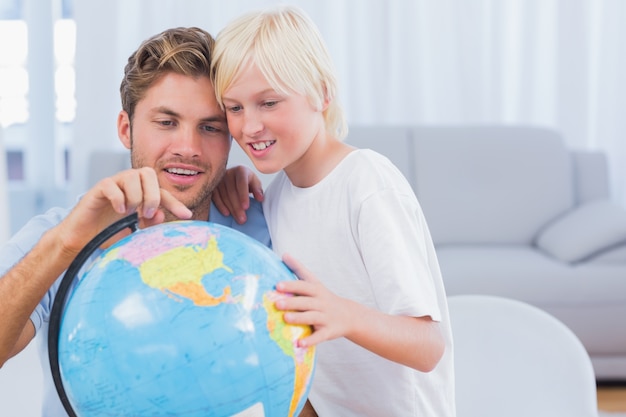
{"x": 61, "y": 296}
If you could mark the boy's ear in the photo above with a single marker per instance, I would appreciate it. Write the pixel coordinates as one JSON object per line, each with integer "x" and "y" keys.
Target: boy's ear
{"x": 327, "y": 99}
{"x": 325, "y": 103}
{"x": 123, "y": 128}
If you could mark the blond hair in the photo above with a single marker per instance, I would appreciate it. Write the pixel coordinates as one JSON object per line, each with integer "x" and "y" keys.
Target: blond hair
{"x": 289, "y": 51}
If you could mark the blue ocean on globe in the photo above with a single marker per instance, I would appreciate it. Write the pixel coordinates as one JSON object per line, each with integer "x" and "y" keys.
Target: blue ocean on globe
{"x": 179, "y": 320}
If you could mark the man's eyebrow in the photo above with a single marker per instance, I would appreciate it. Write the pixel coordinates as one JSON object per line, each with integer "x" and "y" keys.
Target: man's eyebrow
{"x": 217, "y": 118}
{"x": 165, "y": 110}
{"x": 221, "y": 118}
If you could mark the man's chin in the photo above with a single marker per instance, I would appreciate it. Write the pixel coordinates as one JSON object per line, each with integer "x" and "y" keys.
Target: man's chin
{"x": 169, "y": 217}
{"x": 199, "y": 210}
{"x": 199, "y": 202}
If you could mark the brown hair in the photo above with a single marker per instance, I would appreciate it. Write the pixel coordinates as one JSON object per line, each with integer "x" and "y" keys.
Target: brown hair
{"x": 185, "y": 51}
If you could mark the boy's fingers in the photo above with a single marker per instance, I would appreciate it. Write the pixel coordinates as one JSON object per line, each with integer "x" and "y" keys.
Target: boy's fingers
{"x": 219, "y": 202}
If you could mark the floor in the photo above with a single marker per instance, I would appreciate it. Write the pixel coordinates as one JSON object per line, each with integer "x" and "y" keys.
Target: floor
{"x": 612, "y": 397}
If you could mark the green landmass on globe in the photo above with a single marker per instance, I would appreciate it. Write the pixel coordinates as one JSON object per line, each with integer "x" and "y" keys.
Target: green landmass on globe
{"x": 180, "y": 319}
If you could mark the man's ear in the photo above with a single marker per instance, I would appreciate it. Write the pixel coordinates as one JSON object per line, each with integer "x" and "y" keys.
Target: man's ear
{"x": 123, "y": 128}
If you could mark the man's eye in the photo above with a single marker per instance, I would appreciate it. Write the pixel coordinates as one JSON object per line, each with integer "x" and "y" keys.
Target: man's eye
{"x": 210, "y": 128}
{"x": 166, "y": 122}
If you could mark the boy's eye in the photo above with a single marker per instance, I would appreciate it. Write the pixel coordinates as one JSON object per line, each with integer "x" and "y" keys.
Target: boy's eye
{"x": 270, "y": 103}
{"x": 234, "y": 109}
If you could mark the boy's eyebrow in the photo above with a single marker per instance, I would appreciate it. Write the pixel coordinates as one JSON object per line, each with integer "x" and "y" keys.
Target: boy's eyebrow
{"x": 269, "y": 90}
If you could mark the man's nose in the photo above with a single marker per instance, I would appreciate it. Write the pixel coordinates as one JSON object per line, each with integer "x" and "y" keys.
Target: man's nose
{"x": 187, "y": 143}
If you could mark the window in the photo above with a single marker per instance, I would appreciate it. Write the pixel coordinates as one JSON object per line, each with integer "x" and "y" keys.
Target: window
{"x": 13, "y": 74}
{"x": 14, "y": 81}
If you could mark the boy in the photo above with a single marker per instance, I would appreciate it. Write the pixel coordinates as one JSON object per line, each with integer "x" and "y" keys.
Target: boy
{"x": 371, "y": 289}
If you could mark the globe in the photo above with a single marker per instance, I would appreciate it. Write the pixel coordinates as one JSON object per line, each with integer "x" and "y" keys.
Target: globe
{"x": 179, "y": 320}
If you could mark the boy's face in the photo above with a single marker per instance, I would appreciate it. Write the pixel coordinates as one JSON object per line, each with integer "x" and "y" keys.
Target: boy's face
{"x": 180, "y": 131}
{"x": 276, "y": 131}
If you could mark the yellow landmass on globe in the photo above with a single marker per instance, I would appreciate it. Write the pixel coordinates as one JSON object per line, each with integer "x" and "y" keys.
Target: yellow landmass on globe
{"x": 286, "y": 336}
{"x": 181, "y": 270}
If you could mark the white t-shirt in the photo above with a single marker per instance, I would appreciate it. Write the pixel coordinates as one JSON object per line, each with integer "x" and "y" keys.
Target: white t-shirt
{"x": 362, "y": 232}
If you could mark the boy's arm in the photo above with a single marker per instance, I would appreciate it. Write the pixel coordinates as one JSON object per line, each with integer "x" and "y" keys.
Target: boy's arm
{"x": 416, "y": 342}
{"x": 232, "y": 193}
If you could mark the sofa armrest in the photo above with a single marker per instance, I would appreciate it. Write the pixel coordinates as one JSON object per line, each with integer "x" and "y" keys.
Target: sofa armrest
{"x": 585, "y": 232}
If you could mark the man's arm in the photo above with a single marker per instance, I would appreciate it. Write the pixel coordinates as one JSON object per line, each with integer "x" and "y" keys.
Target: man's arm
{"x": 23, "y": 287}
{"x": 25, "y": 284}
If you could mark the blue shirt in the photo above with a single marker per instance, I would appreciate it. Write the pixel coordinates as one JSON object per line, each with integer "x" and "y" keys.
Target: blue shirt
{"x": 20, "y": 244}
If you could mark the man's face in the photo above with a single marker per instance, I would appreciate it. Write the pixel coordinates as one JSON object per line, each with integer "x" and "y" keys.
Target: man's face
{"x": 179, "y": 130}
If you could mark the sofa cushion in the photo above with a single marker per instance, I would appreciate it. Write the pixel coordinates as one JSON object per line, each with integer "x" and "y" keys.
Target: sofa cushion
{"x": 524, "y": 273}
{"x": 615, "y": 256}
{"x": 491, "y": 184}
{"x": 585, "y": 232}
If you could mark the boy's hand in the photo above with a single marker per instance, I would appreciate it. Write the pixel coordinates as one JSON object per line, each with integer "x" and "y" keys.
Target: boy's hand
{"x": 313, "y": 304}
{"x": 232, "y": 193}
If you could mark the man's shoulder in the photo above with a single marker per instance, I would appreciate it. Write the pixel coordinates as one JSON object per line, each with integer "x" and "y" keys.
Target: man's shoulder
{"x": 39, "y": 224}
{"x": 255, "y": 209}
{"x": 255, "y": 225}
{"x": 23, "y": 241}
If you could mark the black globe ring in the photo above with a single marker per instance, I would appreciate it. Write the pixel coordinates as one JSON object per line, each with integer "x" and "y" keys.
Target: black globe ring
{"x": 61, "y": 296}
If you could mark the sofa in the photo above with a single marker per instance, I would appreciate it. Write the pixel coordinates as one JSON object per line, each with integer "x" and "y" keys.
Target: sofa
{"x": 513, "y": 212}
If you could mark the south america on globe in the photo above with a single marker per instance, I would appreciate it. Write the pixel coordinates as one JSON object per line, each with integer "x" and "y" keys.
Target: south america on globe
{"x": 179, "y": 320}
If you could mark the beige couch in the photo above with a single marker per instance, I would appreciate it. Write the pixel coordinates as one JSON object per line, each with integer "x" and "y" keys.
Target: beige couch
{"x": 515, "y": 213}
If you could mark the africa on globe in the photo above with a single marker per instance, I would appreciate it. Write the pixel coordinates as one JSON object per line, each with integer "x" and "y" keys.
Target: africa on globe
{"x": 179, "y": 320}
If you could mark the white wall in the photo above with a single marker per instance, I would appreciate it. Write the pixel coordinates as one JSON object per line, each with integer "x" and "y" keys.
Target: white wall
{"x": 21, "y": 385}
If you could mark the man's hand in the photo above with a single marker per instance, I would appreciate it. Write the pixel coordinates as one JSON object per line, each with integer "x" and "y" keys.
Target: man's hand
{"x": 232, "y": 193}
{"x": 133, "y": 190}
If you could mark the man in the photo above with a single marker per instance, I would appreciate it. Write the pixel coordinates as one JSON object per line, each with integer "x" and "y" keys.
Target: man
{"x": 179, "y": 144}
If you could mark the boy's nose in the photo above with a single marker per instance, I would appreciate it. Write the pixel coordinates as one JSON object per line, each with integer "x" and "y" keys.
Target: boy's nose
{"x": 252, "y": 124}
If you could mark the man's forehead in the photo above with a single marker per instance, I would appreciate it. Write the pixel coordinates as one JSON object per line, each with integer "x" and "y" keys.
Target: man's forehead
{"x": 182, "y": 96}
